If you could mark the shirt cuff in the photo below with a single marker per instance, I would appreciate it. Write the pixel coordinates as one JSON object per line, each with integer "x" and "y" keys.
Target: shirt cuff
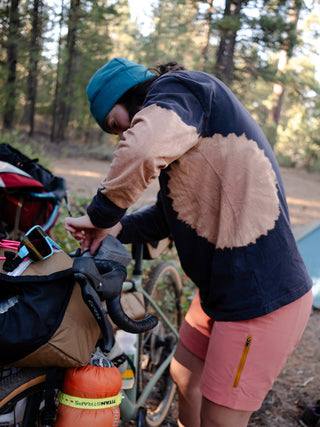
{"x": 103, "y": 213}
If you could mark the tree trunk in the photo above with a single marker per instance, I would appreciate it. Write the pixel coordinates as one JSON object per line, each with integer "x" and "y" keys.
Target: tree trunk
{"x": 207, "y": 34}
{"x": 224, "y": 65}
{"x": 32, "y": 82}
{"x": 57, "y": 85}
{"x": 278, "y": 93}
{"x": 66, "y": 99}
{"x": 12, "y": 55}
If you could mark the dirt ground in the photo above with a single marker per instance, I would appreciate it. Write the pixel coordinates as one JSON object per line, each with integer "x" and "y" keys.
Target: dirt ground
{"x": 299, "y": 381}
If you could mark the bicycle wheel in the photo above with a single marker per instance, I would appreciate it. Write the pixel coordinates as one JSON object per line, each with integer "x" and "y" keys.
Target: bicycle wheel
{"x": 164, "y": 286}
{"x": 22, "y": 398}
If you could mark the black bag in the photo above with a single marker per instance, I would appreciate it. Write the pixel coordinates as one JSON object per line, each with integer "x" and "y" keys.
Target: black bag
{"x": 32, "y": 310}
{"x": 43, "y": 318}
{"x": 31, "y": 166}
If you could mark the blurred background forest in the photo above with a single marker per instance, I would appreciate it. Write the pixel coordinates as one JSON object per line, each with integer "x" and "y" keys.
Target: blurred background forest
{"x": 266, "y": 51}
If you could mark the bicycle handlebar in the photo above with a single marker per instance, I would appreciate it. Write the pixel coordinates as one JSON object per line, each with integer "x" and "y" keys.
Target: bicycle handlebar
{"x": 124, "y": 322}
{"x": 102, "y": 280}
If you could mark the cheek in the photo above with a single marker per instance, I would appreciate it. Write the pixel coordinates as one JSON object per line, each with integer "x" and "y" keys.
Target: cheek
{"x": 125, "y": 121}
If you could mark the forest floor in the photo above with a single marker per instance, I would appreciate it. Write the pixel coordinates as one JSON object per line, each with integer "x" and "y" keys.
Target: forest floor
{"x": 299, "y": 381}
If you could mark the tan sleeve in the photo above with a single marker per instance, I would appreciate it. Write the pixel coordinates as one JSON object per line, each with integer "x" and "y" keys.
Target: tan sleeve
{"x": 156, "y": 138}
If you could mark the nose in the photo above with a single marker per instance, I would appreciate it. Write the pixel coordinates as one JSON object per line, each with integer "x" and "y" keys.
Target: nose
{"x": 121, "y": 137}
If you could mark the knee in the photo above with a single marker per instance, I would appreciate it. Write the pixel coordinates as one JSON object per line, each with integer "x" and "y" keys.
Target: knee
{"x": 177, "y": 372}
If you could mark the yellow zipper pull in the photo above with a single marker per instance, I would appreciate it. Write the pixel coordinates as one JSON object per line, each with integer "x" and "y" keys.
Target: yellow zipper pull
{"x": 242, "y": 360}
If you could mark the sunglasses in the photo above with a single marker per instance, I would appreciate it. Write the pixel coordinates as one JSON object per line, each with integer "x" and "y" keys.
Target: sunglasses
{"x": 37, "y": 245}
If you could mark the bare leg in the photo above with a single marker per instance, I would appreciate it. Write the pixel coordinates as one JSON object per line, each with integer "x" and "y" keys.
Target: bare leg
{"x": 195, "y": 410}
{"x": 213, "y": 415}
{"x": 186, "y": 370}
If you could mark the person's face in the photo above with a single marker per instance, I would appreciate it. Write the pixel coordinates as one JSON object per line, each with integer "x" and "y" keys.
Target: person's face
{"x": 117, "y": 121}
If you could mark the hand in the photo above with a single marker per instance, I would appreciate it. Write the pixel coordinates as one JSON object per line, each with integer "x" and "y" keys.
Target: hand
{"x": 89, "y": 236}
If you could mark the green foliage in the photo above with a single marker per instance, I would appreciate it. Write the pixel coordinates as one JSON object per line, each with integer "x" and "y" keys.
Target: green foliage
{"x": 229, "y": 23}
{"x": 174, "y": 35}
{"x": 273, "y": 30}
{"x": 62, "y": 237}
{"x": 298, "y": 136}
{"x": 299, "y": 139}
{"x": 77, "y": 207}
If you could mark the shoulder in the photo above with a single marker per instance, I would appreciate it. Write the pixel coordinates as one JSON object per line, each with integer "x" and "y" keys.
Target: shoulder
{"x": 204, "y": 87}
{"x": 187, "y": 78}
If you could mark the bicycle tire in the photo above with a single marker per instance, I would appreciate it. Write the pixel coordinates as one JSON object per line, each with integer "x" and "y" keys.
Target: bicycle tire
{"x": 18, "y": 392}
{"x": 164, "y": 285}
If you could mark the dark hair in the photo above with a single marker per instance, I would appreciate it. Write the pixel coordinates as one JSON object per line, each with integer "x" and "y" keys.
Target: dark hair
{"x": 134, "y": 97}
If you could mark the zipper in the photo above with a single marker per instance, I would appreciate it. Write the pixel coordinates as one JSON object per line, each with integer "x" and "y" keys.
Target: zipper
{"x": 242, "y": 360}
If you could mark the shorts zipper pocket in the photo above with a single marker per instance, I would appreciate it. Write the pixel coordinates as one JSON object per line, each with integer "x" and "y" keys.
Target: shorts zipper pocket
{"x": 242, "y": 360}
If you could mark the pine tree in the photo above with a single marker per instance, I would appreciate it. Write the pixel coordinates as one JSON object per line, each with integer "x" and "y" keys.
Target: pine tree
{"x": 289, "y": 42}
{"x": 228, "y": 27}
{"x": 12, "y": 58}
{"x": 34, "y": 57}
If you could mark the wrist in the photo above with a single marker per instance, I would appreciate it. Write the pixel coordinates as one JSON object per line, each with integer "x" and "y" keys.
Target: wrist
{"x": 116, "y": 230}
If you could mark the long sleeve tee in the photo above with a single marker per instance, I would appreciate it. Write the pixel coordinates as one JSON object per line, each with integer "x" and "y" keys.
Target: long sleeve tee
{"x": 221, "y": 196}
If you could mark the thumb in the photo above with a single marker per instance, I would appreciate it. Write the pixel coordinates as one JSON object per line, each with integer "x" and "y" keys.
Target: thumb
{"x": 95, "y": 244}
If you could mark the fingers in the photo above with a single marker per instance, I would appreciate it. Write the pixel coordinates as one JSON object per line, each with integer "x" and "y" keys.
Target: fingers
{"x": 78, "y": 235}
{"x": 95, "y": 246}
{"x": 89, "y": 236}
{"x": 68, "y": 226}
{"x": 86, "y": 242}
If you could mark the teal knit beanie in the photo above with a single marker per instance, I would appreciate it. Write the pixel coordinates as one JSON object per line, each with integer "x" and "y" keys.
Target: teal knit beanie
{"x": 110, "y": 82}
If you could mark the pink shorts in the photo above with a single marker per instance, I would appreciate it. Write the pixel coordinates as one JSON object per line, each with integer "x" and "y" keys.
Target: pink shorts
{"x": 242, "y": 359}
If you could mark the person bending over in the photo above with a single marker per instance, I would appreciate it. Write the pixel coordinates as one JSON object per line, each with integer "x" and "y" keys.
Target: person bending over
{"x": 222, "y": 201}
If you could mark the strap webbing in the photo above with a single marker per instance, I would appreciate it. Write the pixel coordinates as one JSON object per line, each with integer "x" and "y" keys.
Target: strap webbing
{"x": 85, "y": 403}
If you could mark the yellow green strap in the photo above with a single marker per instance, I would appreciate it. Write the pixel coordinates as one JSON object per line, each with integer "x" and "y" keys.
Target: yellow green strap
{"x": 85, "y": 403}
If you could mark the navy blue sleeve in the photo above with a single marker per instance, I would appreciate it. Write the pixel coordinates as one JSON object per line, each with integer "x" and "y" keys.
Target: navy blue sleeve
{"x": 145, "y": 225}
{"x": 103, "y": 213}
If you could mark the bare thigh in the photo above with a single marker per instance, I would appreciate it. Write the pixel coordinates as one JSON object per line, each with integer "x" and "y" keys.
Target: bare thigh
{"x": 186, "y": 370}
{"x": 194, "y": 409}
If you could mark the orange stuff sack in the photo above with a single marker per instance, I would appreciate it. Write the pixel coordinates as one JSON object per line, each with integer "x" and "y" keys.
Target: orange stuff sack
{"x": 90, "y": 397}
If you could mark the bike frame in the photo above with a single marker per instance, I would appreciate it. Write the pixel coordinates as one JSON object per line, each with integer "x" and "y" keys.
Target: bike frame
{"x": 130, "y": 404}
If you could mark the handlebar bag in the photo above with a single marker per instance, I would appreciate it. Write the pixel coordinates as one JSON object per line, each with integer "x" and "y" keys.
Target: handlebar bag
{"x": 43, "y": 318}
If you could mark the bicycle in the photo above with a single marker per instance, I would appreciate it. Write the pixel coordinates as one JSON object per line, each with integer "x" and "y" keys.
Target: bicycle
{"x": 150, "y": 398}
